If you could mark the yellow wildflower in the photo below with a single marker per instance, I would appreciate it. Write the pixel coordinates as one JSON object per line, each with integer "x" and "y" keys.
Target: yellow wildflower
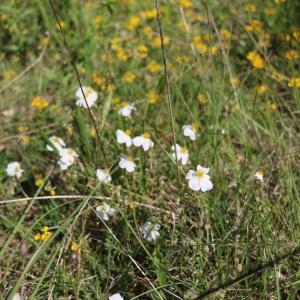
{"x": 294, "y": 82}
{"x": 202, "y": 99}
{"x": 133, "y": 23}
{"x": 152, "y": 97}
{"x": 292, "y": 54}
{"x": 142, "y": 51}
{"x": 250, "y": 7}
{"x": 261, "y": 89}
{"x": 8, "y": 74}
{"x": 149, "y": 14}
{"x": 256, "y": 60}
{"x": 185, "y": 3}
{"x": 39, "y": 103}
{"x": 128, "y": 77}
{"x": 254, "y": 25}
{"x": 154, "y": 67}
{"x": 271, "y": 106}
{"x": 156, "y": 42}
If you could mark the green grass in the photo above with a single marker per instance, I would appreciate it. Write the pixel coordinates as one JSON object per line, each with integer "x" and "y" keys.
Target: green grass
{"x": 241, "y": 238}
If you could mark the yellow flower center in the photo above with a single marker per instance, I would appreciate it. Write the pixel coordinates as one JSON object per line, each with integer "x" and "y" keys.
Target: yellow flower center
{"x": 88, "y": 92}
{"x": 130, "y": 158}
{"x": 124, "y": 104}
{"x": 106, "y": 171}
{"x": 183, "y": 150}
{"x": 195, "y": 126}
{"x": 146, "y": 136}
{"x": 200, "y": 174}
{"x": 127, "y": 132}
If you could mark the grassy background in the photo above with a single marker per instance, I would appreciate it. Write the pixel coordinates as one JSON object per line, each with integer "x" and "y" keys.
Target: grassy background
{"x": 206, "y": 239}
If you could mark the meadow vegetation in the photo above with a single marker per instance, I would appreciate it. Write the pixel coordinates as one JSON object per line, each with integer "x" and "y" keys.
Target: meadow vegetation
{"x": 150, "y": 149}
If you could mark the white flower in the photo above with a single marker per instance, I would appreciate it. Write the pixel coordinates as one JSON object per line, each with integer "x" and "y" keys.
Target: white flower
{"x": 116, "y": 297}
{"x": 103, "y": 175}
{"x": 259, "y": 175}
{"x": 149, "y": 231}
{"x": 190, "y": 131}
{"x": 105, "y": 211}
{"x": 123, "y": 137}
{"x": 182, "y": 154}
{"x": 57, "y": 142}
{"x": 67, "y": 158}
{"x": 126, "y": 109}
{"x": 144, "y": 141}
{"x": 127, "y": 163}
{"x": 14, "y": 169}
{"x": 90, "y": 96}
{"x": 199, "y": 180}
{"x": 16, "y": 296}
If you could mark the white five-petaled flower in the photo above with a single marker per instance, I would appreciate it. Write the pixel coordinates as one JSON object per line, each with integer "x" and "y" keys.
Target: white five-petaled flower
{"x": 190, "y": 131}
{"x": 67, "y": 158}
{"x": 90, "y": 96}
{"x": 199, "y": 180}
{"x": 182, "y": 154}
{"x": 115, "y": 297}
{"x": 259, "y": 175}
{"x": 105, "y": 211}
{"x": 126, "y": 109}
{"x": 127, "y": 164}
{"x": 57, "y": 142}
{"x": 14, "y": 169}
{"x": 143, "y": 141}
{"x": 123, "y": 137}
{"x": 103, "y": 175}
{"x": 150, "y": 231}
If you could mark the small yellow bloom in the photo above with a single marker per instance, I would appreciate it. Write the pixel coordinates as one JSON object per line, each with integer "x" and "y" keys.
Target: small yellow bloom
{"x": 133, "y": 23}
{"x": 93, "y": 132}
{"x": 128, "y": 77}
{"x": 70, "y": 130}
{"x": 98, "y": 79}
{"x": 152, "y": 97}
{"x": 8, "y": 74}
{"x": 256, "y": 60}
{"x": 255, "y": 26}
{"x": 272, "y": 106}
{"x": 185, "y": 3}
{"x": 39, "y": 103}
{"x": 39, "y": 181}
{"x": 142, "y": 51}
{"x": 294, "y": 82}
{"x": 156, "y": 42}
{"x": 250, "y": 7}
{"x": 202, "y": 99}
{"x": 292, "y": 54}
{"x": 44, "y": 235}
{"x": 25, "y": 139}
{"x": 149, "y": 14}
{"x": 147, "y": 30}
{"x": 154, "y": 67}
{"x": 261, "y": 89}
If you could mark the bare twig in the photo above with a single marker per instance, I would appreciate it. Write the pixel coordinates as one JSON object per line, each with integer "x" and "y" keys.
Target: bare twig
{"x": 50, "y": 198}
{"x": 168, "y": 84}
{"x": 79, "y": 81}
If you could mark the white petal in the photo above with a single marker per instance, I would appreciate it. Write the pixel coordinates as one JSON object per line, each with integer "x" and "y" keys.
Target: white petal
{"x": 195, "y": 184}
{"x": 191, "y": 174}
{"x": 206, "y": 184}
{"x": 138, "y": 141}
{"x": 203, "y": 169}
